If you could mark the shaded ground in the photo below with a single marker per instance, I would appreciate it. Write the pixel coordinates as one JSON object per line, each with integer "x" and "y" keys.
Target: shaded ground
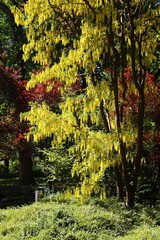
{"x": 12, "y": 193}
{"x": 16, "y": 195}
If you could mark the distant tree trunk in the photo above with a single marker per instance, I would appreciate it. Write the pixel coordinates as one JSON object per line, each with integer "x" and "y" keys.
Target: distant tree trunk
{"x": 25, "y": 164}
{"x": 6, "y": 167}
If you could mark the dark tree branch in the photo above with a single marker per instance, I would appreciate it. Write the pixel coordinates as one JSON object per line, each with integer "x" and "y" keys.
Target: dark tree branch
{"x": 137, "y": 6}
{"x": 104, "y": 118}
{"x": 59, "y": 12}
{"x": 90, "y": 6}
{"x": 133, "y": 46}
{"x": 8, "y": 13}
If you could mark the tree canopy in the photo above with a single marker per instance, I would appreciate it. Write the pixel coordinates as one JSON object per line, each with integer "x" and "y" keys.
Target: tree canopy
{"x": 108, "y": 48}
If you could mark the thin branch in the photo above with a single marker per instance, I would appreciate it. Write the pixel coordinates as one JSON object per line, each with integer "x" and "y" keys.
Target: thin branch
{"x": 104, "y": 117}
{"x": 152, "y": 19}
{"x": 89, "y": 5}
{"x": 133, "y": 46}
{"x": 58, "y": 11}
{"x": 137, "y": 6}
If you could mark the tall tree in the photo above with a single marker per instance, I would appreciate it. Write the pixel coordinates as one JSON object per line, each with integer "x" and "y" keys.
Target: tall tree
{"x": 12, "y": 39}
{"x": 9, "y": 84}
{"x": 120, "y": 35}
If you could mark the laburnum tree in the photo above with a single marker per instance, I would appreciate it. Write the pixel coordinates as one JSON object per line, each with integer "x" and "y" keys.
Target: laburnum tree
{"x": 102, "y": 43}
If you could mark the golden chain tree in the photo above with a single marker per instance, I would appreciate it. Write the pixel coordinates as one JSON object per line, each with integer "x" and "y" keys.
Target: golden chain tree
{"x": 71, "y": 36}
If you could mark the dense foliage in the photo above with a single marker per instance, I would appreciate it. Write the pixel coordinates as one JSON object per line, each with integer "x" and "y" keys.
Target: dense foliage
{"x": 109, "y": 46}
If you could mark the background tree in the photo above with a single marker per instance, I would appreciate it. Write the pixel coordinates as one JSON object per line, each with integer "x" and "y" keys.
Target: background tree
{"x": 7, "y": 150}
{"x": 119, "y": 35}
{"x": 12, "y": 38}
{"x": 9, "y": 84}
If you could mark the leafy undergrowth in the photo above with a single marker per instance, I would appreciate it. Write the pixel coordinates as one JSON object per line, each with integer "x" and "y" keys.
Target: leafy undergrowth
{"x": 96, "y": 220}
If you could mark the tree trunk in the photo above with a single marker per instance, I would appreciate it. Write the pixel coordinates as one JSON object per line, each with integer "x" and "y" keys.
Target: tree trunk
{"x": 130, "y": 196}
{"x": 119, "y": 185}
{"x": 25, "y": 164}
{"x": 6, "y": 167}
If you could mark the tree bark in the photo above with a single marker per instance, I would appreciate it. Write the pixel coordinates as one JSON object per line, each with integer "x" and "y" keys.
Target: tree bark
{"x": 25, "y": 164}
{"x": 105, "y": 118}
{"x": 6, "y": 167}
{"x": 119, "y": 185}
{"x": 130, "y": 196}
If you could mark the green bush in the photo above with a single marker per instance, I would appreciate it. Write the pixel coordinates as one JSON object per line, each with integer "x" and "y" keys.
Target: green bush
{"x": 143, "y": 233}
{"x": 95, "y": 220}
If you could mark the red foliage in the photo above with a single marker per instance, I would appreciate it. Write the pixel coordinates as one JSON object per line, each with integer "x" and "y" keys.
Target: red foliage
{"x": 152, "y": 93}
{"x": 12, "y": 84}
{"x": 153, "y": 99}
{"x": 152, "y": 112}
{"x": 76, "y": 87}
{"x": 152, "y": 146}
{"x": 40, "y": 93}
{"x": 43, "y": 92}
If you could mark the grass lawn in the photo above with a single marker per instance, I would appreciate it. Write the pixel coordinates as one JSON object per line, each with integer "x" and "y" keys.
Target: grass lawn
{"x": 96, "y": 220}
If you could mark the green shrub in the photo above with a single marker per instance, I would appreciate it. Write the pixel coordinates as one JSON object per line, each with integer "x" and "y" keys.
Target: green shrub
{"x": 143, "y": 233}
{"x": 96, "y": 220}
